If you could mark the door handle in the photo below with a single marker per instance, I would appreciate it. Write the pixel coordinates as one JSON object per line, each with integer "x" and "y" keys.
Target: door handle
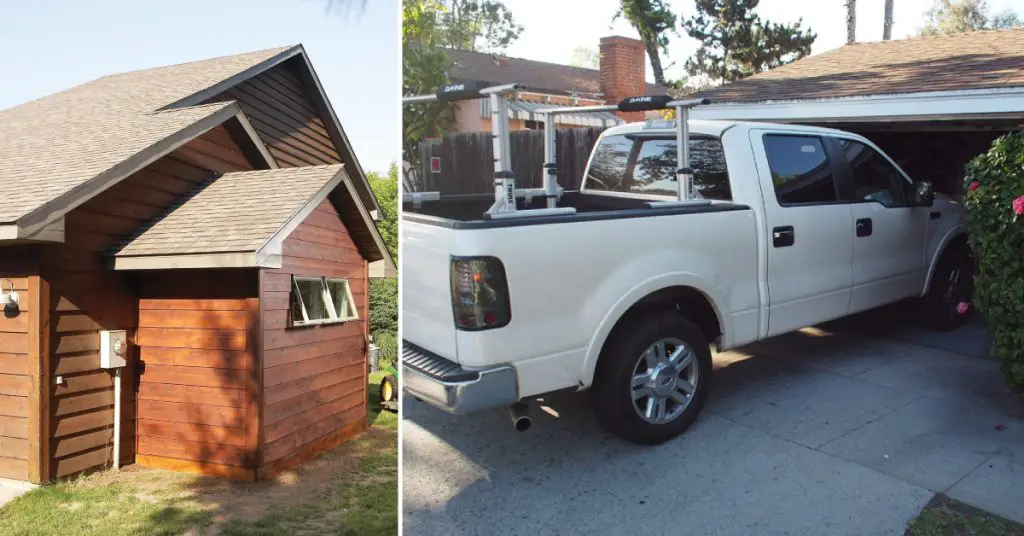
{"x": 935, "y": 215}
{"x": 783, "y": 236}
{"x": 864, "y": 227}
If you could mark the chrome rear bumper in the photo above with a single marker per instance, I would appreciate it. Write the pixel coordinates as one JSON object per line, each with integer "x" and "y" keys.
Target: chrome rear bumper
{"x": 444, "y": 384}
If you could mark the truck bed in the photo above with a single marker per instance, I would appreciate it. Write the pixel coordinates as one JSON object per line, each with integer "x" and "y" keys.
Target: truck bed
{"x": 466, "y": 211}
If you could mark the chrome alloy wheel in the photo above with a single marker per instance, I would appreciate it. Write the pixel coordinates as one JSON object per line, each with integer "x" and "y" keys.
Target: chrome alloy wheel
{"x": 664, "y": 380}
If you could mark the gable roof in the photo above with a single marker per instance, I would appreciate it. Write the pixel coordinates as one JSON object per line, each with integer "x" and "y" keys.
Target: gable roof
{"x": 988, "y": 59}
{"x": 537, "y": 76}
{"x": 237, "y": 219}
{"x": 52, "y": 162}
{"x": 84, "y": 131}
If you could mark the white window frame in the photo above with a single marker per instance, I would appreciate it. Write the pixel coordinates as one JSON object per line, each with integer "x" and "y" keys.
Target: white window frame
{"x": 332, "y": 313}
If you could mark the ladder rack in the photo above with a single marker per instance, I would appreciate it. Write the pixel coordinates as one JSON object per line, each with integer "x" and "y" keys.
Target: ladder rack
{"x": 505, "y": 192}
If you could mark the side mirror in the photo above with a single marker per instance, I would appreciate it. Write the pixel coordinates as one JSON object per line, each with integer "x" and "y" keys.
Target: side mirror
{"x": 925, "y": 193}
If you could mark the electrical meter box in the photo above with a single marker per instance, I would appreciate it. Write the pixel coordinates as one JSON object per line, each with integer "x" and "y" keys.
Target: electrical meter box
{"x": 113, "y": 348}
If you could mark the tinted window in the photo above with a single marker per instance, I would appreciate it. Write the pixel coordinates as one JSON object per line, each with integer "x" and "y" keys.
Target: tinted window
{"x": 640, "y": 165}
{"x": 874, "y": 178}
{"x": 800, "y": 170}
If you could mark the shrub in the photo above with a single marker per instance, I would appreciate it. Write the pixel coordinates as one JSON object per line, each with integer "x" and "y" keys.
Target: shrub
{"x": 383, "y": 305}
{"x": 994, "y": 199}
{"x": 387, "y": 342}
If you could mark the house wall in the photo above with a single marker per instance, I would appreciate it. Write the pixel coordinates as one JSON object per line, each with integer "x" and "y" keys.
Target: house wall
{"x": 17, "y": 265}
{"x": 194, "y": 340}
{"x": 314, "y": 377}
{"x": 87, "y": 297}
{"x": 280, "y": 110}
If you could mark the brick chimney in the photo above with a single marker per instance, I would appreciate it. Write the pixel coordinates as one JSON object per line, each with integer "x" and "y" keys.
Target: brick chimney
{"x": 623, "y": 65}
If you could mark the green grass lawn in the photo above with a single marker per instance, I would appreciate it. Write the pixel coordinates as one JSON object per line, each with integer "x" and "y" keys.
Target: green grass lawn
{"x": 945, "y": 517}
{"x": 353, "y": 489}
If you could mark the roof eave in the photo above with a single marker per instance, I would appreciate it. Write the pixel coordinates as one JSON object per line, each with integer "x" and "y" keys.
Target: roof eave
{"x": 191, "y": 261}
{"x": 51, "y": 232}
{"x": 918, "y": 106}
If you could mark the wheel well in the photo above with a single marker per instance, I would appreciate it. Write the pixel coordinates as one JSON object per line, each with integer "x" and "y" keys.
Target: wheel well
{"x": 688, "y": 301}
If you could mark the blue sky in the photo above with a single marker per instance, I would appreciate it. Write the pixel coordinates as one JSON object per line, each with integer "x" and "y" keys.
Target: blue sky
{"x": 51, "y": 45}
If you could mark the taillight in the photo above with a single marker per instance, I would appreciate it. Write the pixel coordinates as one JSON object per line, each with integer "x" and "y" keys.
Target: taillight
{"x": 479, "y": 293}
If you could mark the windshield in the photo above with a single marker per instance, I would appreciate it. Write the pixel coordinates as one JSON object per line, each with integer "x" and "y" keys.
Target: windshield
{"x": 646, "y": 165}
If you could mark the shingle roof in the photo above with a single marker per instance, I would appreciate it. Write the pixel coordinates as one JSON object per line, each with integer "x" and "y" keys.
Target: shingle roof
{"x": 52, "y": 145}
{"x": 236, "y": 212}
{"x": 535, "y": 75}
{"x": 976, "y": 60}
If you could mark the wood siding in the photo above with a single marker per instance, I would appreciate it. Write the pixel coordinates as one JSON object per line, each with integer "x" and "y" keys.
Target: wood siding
{"x": 17, "y": 265}
{"x": 281, "y": 111}
{"x": 314, "y": 378}
{"x": 192, "y": 398}
{"x": 87, "y": 297}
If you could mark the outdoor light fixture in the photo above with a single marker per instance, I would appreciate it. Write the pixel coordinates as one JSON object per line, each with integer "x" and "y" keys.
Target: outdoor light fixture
{"x": 9, "y": 297}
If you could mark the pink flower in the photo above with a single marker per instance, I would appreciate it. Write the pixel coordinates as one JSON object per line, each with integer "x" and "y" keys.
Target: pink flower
{"x": 963, "y": 307}
{"x": 1018, "y": 206}
{"x": 974, "y": 186}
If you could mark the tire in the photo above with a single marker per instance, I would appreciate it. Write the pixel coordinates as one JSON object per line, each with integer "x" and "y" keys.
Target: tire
{"x": 388, "y": 389}
{"x": 622, "y": 359}
{"x": 952, "y": 283}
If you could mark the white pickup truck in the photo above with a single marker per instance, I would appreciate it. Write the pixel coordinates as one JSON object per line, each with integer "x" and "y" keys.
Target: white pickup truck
{"x": 625, "y": 295}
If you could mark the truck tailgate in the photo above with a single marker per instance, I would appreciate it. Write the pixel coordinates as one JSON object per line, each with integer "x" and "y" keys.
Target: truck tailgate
{"x": 426, "y": 314}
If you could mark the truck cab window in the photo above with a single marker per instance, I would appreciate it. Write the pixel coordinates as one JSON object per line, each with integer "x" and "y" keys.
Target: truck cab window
{"x": 645, "y": 165}
{"x": 800, "y": 170}
{"x": 874, "y": 177}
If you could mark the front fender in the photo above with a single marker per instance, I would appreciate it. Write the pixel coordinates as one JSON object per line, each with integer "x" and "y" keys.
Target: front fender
{"x": 950, "y": 235}
{"x": 635, "y": 280}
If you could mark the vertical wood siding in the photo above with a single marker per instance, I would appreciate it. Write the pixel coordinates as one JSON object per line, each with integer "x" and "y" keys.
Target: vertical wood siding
{"x": 15, "y": 382}
{"x": 192, "y": 397}
{"x": 280, "y": 110}
{"x": 87, "y": 297}
{"x": 314, "y": 378}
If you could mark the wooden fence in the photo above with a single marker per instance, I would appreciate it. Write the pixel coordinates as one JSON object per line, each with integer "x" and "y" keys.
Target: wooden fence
{"x": 467, "y": 165}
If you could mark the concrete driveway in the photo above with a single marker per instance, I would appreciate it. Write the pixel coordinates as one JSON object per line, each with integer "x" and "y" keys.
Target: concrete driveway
{"x": 845, "y": 429}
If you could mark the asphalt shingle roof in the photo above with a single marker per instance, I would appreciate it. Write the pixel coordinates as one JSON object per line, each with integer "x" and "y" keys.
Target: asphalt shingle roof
{"x": 535, "y": 75}
{"x": 976, "y": 60}
{"x": 236, "y": 212}
{"x": 52, "y": 145}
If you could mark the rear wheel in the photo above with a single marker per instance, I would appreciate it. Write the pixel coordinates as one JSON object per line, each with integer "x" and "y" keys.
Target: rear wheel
{"x": 653, "y": 378}
{"x": 948, "y": 300}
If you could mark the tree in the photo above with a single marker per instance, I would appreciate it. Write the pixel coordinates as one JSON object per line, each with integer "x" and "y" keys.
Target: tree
{"x": 887, "y": 22}
{"x": 384, "y": 292}
{"x": 851, "y": 21}
{"x": 585, "y": 57}
{"x": 958, "y": 16}
{"x": 736, "y": 43}
{"x": 385, "y": 188}
{"x": 428, "y": 28}
{"x": 651, "y": 18}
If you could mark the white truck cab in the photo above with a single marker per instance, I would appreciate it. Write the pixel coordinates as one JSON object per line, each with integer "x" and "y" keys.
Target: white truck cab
{"x": 621, "y": 287}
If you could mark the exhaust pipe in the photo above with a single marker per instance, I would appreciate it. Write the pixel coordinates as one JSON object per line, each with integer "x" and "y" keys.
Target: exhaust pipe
{"x": 520, "y": 418}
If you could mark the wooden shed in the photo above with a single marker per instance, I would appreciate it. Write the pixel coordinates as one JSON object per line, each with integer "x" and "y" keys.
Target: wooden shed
{"x": 215, "y": 213}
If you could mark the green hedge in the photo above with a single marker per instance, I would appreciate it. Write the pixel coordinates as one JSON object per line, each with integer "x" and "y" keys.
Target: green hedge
{"x": 387, "y": 343}
{"x": 383, "y": 305}
{"x": 994, "y": 199}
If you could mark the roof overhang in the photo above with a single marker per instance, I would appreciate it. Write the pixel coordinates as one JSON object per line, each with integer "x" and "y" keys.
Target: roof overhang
{"x": 195, "y": 261}
{"x": 320, "y": 100}
{"x": 269, "y": 255}
{"x": 51, "y": 232}
{"x": 42, "y": 223}
{"x": 924, "y": 106}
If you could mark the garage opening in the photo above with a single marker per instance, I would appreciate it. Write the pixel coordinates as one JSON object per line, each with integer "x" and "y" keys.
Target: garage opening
{"x": 934, "y": 150}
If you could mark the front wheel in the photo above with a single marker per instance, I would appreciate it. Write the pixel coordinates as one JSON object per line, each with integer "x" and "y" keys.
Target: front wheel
{"x": 948, "y": 300}
{"x": 653, "y": 378}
